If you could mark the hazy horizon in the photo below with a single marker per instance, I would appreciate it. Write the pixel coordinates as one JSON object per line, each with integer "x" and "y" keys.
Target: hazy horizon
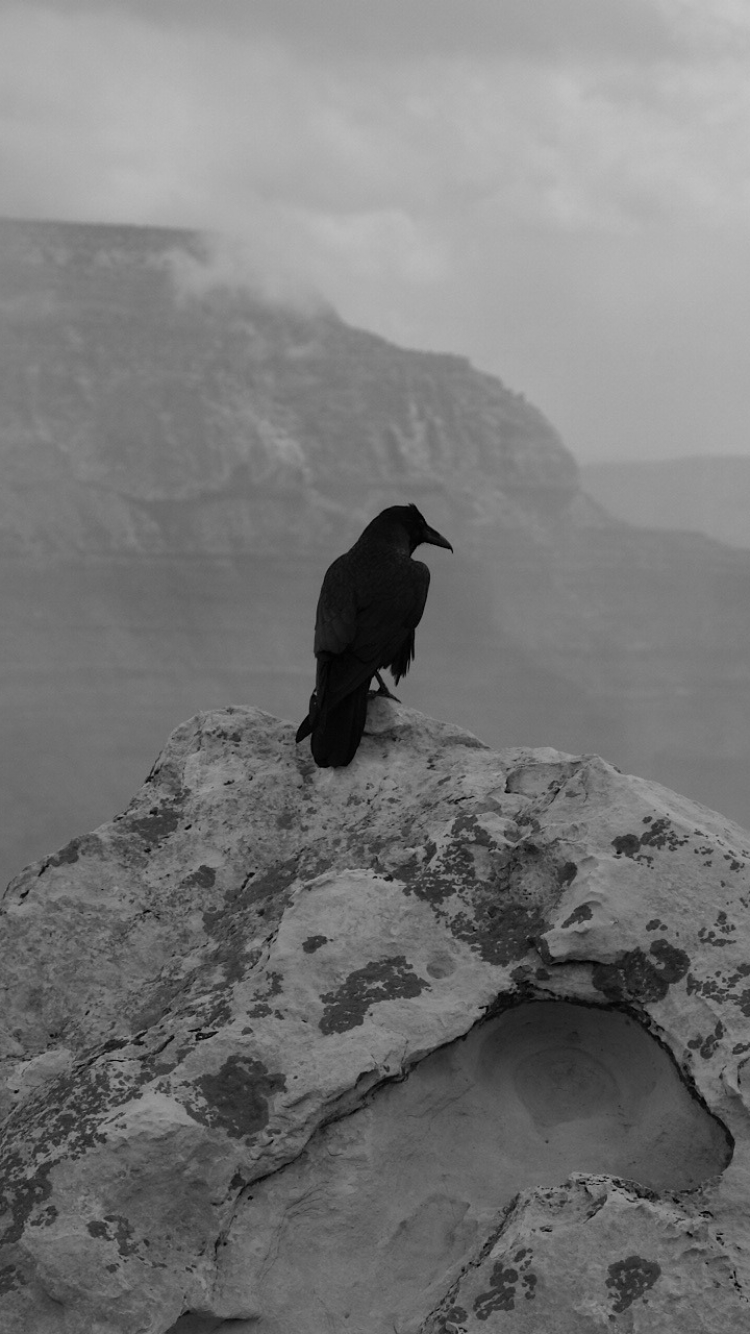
{"x": 558, "y": 191}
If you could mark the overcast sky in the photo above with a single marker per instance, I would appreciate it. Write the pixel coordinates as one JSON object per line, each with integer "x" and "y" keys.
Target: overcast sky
{"x": 558, "y": 189}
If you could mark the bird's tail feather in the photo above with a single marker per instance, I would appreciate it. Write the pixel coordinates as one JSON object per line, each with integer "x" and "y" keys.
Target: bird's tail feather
{"x": 304, "y": 729}
{"x": 307, "y": 724}
{"x": 337, "y": 731}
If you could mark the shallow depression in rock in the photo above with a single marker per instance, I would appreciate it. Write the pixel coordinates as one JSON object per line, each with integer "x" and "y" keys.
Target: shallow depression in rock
{"x": 410, "y": 1184}
{"x": 588, "y": 1090}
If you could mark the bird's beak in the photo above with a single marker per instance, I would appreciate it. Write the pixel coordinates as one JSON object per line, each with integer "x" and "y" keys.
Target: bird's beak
{"x": 435, "y": 538}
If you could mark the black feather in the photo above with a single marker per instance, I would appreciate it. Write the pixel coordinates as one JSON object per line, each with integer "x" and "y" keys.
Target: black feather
{"x": 370, "y": 604}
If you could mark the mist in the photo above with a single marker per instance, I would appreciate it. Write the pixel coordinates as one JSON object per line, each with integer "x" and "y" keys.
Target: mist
{"x": 562, "y": 199}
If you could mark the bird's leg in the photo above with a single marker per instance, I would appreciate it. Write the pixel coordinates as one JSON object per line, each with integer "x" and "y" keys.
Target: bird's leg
{"x": 383, "y": 690}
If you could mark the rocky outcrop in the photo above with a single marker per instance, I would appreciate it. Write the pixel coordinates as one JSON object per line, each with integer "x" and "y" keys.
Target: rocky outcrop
{"x": 453, "y": 1039}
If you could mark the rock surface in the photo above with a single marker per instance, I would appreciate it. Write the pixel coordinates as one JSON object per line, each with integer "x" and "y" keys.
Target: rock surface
{"x": 451, "y": 1040}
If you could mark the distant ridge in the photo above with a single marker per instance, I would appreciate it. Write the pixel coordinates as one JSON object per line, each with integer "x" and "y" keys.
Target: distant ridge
{"x": 707, "y": 494}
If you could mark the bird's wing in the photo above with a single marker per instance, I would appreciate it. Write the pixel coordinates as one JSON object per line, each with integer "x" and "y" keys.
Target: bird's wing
{"x": 336, "y": 617}
{"x": 420, "y": 584}
{"x": 392, "y": 612}
{"x": 366, "y": 620}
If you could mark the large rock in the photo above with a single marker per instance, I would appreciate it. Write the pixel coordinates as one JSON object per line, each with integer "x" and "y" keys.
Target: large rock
{"x": 450, "y": 1040}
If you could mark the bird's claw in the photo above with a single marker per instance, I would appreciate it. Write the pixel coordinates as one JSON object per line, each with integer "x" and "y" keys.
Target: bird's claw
{"x": 383, "y": 690}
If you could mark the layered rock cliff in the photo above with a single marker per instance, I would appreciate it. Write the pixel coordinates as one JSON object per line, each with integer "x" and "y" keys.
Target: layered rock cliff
{"x": 454, "y": 1039}
{"x": 152, "y": 405}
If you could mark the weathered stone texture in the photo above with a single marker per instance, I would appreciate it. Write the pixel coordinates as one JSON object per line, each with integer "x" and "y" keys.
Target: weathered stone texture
{"x": 450, "y": 1040}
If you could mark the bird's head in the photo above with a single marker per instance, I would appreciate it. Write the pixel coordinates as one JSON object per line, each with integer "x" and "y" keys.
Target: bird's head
{"x": 418, "y": 529}
{"x": 403, "y": 526}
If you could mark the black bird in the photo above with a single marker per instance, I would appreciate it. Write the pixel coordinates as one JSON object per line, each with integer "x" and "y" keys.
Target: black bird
{"x": 370, "y": 604}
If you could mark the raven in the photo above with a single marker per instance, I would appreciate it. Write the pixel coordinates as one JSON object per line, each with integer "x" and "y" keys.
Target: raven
{"x": 370, "y": 604}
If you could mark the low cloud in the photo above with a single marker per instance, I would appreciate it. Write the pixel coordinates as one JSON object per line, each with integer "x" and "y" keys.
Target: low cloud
{"x": 331, "y": 30}
{"x": 419, "y": 163}
{"x": 211, "y": 261}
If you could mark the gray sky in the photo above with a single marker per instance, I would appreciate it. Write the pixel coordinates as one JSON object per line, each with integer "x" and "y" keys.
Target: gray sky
{"x": 559, "y": 189}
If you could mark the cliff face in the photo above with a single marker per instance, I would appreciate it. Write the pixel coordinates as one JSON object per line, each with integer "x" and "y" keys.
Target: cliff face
{"x": 181, "y": 459}
{"x": 453, "y": 1039}
{"x": 148, "y": 408}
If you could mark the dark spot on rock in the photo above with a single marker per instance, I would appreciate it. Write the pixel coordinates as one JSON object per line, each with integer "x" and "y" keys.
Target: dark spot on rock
{"x": 113, "y": 1227}
{"x": 203, "y": 878}
{"x": 626, "y": 845}
{"x": 60, "y": 1120}
{"x": 629, "y": 1279}
{"x": 719, "y": 934}
{"x": 706, "y": 1046}
{"x": 257, "y": 891}
{"x": 313, "y": 943}
{"x": 469, "y": 825}
{"x": 660, "y": 834}
{"x": 673, "y": 962}
{"x": 234, "y": 925}
{"x": 67, "y": 855}
{"x": 271, "y": 985}
{"x": 236, "y": 1096}
{"x": 636, "y": 976}
{"x": 501, "y": 1294}
{"x": 567, "y": 873}
{"x": 158, "y": 823}
{"x": 498, "y": 910}
{"x": 583, "y": 913}
{"x": 500, "y": 933}
{"x": 383, "y": 979}
{"x": 23, "y": 1190}
{"x": 11, "y": 1277}
{"x": 285, "y": 820}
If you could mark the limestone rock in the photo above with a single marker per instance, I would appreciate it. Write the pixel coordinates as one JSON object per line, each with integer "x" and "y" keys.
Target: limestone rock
{"x": 596, "y": 1254}
{"x": 452, "y": 1039}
